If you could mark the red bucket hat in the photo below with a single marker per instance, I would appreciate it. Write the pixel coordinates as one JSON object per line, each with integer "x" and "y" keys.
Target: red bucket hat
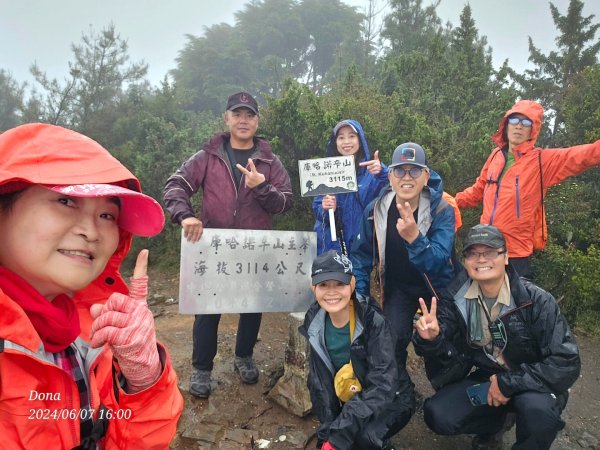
{"x": 73, "y": 164}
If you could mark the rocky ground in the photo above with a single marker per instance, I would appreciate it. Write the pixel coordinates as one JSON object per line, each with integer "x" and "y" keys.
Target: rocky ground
{"x": 238, "y": 416}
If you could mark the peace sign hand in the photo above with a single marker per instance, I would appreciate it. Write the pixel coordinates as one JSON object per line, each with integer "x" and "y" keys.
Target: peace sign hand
{"x": 374, "y": 165}
{"x": 427, "y": 326}
{"x": 253, "y": 176}
{"x": 406, "y": 225}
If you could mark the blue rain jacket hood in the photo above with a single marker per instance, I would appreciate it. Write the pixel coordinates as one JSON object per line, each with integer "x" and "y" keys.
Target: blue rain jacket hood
{"x": 349, "y": 207}
{"x": 331, "y": 149}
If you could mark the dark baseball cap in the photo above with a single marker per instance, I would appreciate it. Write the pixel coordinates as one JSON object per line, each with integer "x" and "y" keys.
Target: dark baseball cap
{"x": 331, "y": 265}
{"x": 409, "y": 153}
{"x": 484, "y": 234}
{"x": 242, "y": 100}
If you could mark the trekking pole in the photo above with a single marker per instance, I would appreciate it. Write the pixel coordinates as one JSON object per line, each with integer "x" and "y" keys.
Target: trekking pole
{"x": 332, "y": 225}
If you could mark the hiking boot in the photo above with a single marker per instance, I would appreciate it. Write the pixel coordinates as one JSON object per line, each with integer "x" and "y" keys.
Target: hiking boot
{"x": 387, "y": 445}
{"x": 488, "y": 441}
{"x": 200, "y": 383}
{"x": 494, "y": 441}
{"x": 245, "y": 366}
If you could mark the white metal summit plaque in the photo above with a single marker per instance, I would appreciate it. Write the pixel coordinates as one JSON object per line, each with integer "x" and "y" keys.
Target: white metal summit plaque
{"x": 243, "y": 271}
{"x": 334, "y": 175}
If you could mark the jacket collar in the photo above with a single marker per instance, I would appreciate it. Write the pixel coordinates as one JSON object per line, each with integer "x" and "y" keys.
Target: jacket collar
{"x": 15, "y": 326}
{"x": 503, "y": 296}
{"x": 518, "y": 291}
{"x": 215, "y": 146}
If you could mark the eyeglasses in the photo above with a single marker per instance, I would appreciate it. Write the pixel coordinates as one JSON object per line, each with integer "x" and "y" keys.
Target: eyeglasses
{"x": 414, "y": 172}
{"x": 472, "y": 255}
{"x": 515, "y": 120}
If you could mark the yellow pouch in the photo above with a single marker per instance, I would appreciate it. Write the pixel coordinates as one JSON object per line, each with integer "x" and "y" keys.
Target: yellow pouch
{"x": 345, "y": 382}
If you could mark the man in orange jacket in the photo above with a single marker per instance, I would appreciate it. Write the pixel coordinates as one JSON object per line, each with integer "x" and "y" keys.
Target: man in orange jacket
{"x": 516, "y": 177}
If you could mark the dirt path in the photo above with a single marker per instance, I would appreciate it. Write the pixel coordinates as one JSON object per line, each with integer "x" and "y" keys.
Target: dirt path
{"x": 235, "y": 412}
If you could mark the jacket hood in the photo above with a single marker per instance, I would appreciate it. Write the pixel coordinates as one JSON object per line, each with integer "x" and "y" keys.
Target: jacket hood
{"x": 48, "y": 154}
{"x": 436, "y": 188}
{"x": 331, "y": 149}
{"x": 533, "y": 111}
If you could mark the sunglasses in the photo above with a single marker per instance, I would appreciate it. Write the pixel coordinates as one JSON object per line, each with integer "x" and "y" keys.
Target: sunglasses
{"x": 414, "y": 172}
{"x": 515, "y": 120}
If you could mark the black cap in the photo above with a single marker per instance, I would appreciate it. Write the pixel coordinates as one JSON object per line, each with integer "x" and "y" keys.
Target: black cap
{"x": 409, "y": 153}
{"x": 331, "y": 265}
{"x": 484, "y": 234}
{"x": 242, "y": 100}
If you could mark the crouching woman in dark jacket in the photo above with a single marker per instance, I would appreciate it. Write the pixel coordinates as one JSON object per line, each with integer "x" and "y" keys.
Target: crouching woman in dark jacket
{"x": 361, "y": 397}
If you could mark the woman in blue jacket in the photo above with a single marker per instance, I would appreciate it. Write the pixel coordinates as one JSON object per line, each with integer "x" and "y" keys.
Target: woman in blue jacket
{"x": 348, "y": 138}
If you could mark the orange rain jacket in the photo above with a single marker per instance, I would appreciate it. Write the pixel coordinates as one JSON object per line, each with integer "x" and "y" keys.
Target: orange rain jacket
{"x": 513, "y": 202}
{"x": 144, "y": 420}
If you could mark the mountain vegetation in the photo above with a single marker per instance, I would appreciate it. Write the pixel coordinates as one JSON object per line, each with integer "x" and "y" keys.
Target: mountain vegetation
{"x": 403, "y": 74}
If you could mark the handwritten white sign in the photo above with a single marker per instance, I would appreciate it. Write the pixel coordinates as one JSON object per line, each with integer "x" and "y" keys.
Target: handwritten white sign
{"x": 243, "y": 271}
{"x": 334, "y": 175}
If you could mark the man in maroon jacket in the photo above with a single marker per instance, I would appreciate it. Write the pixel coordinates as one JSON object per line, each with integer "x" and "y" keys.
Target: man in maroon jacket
{"x": 244, "y": 184}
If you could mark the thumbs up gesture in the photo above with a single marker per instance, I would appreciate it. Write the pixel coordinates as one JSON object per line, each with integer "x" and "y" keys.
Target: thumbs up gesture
{"x": 126, "y": 325}
{"x": 374, "y": 165}
{"x": 427, "y": 326}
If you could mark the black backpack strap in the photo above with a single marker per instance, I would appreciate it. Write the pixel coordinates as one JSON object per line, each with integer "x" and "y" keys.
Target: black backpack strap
{"x": 101, "y": 425}
{"x": 97, "y": 432}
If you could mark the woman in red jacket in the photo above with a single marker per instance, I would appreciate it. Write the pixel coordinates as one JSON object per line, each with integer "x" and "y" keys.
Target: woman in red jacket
{"x": 516, "y": 177}
{"x": 79, "y": 363}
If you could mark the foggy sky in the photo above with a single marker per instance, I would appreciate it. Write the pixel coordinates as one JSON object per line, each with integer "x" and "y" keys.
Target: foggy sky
{"x": 42, "y": 31}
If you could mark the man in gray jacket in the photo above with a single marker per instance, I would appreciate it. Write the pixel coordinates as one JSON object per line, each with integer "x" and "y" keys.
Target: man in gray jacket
{"x": 244, "y": 184}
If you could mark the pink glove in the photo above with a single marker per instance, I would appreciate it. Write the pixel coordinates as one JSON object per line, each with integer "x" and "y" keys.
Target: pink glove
{"x": 127, "y": 326}
{"x": 327, "y": 446}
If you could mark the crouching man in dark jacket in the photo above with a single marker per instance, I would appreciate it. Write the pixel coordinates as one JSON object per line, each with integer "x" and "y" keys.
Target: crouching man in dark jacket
{"x": 513, "y": 334}
{"x": 358, "y": 392}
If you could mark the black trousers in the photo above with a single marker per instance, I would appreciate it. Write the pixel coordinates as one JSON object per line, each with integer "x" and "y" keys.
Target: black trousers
{"x": 383, "y": 427}
{"x": 205, "y": 338}
{"x": 449, "y": 412}
{"x": 399, "y": 307}
{"x": 379, "y": 428}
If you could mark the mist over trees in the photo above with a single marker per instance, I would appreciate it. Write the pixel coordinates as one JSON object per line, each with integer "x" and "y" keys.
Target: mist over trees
{"x": 403, "y": 74}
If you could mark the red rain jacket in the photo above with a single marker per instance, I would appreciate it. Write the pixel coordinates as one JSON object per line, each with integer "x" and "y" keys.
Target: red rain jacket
{"x": 145, "y": 420}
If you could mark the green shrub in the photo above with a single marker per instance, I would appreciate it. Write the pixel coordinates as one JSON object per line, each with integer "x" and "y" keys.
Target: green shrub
{"x": 572, "y": 276}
